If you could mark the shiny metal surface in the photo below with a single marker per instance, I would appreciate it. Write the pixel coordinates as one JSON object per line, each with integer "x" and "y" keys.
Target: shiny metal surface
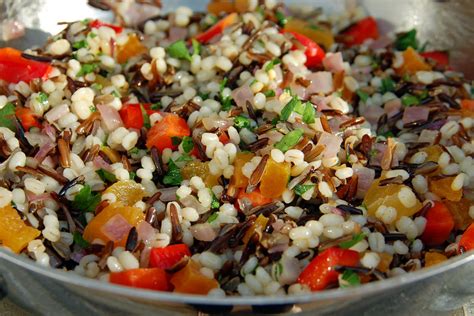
{"x": 434, "y": 291}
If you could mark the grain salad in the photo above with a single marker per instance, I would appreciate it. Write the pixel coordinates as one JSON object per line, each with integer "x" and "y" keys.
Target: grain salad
{"x": 249, "y": 150}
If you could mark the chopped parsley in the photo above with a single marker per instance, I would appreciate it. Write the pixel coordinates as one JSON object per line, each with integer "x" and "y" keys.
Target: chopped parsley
{"x": 80, "y": 44}
{"x": 388, "y": 85}
{"x": 241, "y": 122}
{"x": 173, "y": 176}
{"x": 134, "y": 151}
{"x": 184, "y": 158}
{"x": 289, "y": 140}
{"x": 215, "y": 201}
{"x": 272, "y": 64}
{"x": 7, "y": 116}
{"x": 309, "y": 113}
{"x": 409, "y": 100}
{"x": 226, "y": 101}
{"x": 86, "y": 69}
{"x": 106, "y": 176}
{"x": 86, "y": 200}
{"x": 269, "y": 93}
{"x": 373, "y": 152}
{"x": 92, "y": 108}
{"x": 42, "y": 97}
{"x": 405, "y": 40}
{"x": 79, "y": 240}
{"x": 289, "y": 108}
{"x": 115, "y": 94}
{"x": 155, "y": 106}
{"x": 146, "y": 118}
{"x": 203, "y": 96}
{"x": 179, "y": 50}
{"x": 301, "y": 189}
{"x": 132, "y": 175}
{"x": 348, "y": 279}
{"x": 350, "y": 243}
{"x": 196, "y": 47}
{"x": 364, "y": 96}
{"x": 213, "y": 217}
{"x": 96, "y": 86}
{"x": 282, "y": 20}
{"x": 175, "y": 140}
{"x": 187, "y": 144}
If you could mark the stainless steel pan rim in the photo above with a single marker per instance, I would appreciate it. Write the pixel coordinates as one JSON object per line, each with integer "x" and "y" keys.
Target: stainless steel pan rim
{"x": 370, "y": 288}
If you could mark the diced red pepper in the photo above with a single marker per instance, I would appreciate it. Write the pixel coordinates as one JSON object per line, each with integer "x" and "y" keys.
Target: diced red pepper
{"x": 168, "y": 256}
{"x": 320, "y": 272}
{"x": 15, "y": 68}
{"x": 98, "y": 23}
{"x": 132, "y": 116}
{"x": 160, "y": 135}
{"x": 152, "y": 279}
{"x": 224, "y": 138}
{"x": 217, "y": 28}
{"x": 467, "y": 105}
{"x": 442, "y": 58}
{"x": 361, "y": 31}
{"x": 439, "y": 224}
{"x": 467, "y": 239}
{"x": 314, "y": 53}
{"x": 255, "y": 197}
{"x": 27, "y": 118}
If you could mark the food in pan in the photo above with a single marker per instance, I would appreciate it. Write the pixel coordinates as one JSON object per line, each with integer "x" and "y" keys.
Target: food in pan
{"x": 249, "y": 150}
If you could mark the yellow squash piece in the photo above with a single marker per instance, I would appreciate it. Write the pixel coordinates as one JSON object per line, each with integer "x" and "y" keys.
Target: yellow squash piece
{"x": 190, "y": 280}
{"x": 14, "y": 233}
{"x": 320, "y": 35}
{"x": 460, "y": 212}
{"x": 200, "y": 169}
{"x": 238, "y": 179}
{"x": 133, "y": 47}
{"x": 442, "y": 188}
{"x": 274, "y": 179}
{"x": 412, "y": 63}
{"x": 433, "y": 152}
{"x": 433, "y": 258}
{"x": 128, "y": 192}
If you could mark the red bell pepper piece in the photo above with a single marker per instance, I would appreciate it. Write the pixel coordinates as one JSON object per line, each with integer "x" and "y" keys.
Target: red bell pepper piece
{"x": 314, "y": 53}
{"x": 15, "y": 68}
{"x": 320, "y": 273}
{"x": 217, "y": 28}
{"x": 467, "y": 239}
{"x": 27, "y": 118}
{"x": 442, "y": 58}
{"x": 152, "y": 279}
{"x": 160, "y": 135}
{"x": 361, "y": 31}
{"x": 439, "y": 224}
{"x": 168, "y": 256}
{"x": 255, "y": 197}
{"x": 132, "y": 116}
{"x": 97, "y": 24}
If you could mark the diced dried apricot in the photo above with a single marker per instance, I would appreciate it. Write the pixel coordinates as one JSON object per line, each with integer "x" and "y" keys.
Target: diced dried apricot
{"x": 113, "y": 155}
{"x": 387, "y": 195}
{"x": 128, "y": 192}
{"x": 412, "y": 62}
{"x": 320, "y": 35}
{"x": 238, "y": 179}
{"x": 113, "y": 223}
{"x": 217, "y": 7}
{"x": 257, "y": 227}
{"x": 275, "y": 178}
{"x": 191, "y": 281}
{"x": 200, "y": 169}
{"x": 385, "y": 261}
{"x": 14, "y": 233}
{"x": 432, "y": 258}
{"x": 442, "y": 188}
{"x": 460, "y": 212}
{"x": 433, "y": 152}
{"x": 133, "y": 47}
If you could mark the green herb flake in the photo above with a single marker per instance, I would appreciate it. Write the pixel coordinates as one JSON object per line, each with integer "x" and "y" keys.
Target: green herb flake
{"x": 373, "y": 152}
{"x": 289, "y": 140}
{"x": 405, "y": 40}
{"x": 282, "y": 20}
{"x": 132, "y": 175}
{"x": 269, "y": 93}
{"x": 203, "y": 96}
{"x": 92, "y": 108}
{"x": 409, "y": 100}
{"x": 355, "y": 240}
{"x": 223, "y": 84}
{"x": 79, "y": 240}
{"x": 309, "y": 113}
{"x": 272, "y": 64}
{"x": 184, "y": 158}
{"x": 301, "y": 189}
{"x": 92, "y": 35}
{"x": 134, "y": 151}
{"x": 7, "y": 116}
{"x": 213, "y": 217}
{"x": 196, "y": 47}
{"x": 179, "y": 50}
{"x": 289, "y": 108}
{"x": 155, "y": 106}
{"x": 115, "y": 94}
{"x": 364, "y": 96}
{"x": 349, "y": 279}
{"x": 388, "y": 85}
{"x": 173, "y": 176}
{"x": 96, "y": 86}
{"x": 241, "y": 122}
{"x": 42, "y": 97}
{"x": 146, "y": 118}
{"x": 215, "y": 201}
{"x": 106, "y": 176}
{"x": 80, "y": 44}
{"x": 314, "y": 27}
{"x": 226, "y": 103}
{"x": 187, "y": 143}
{"x": 86, "y": 200}
{"x": 86, "y": 69}
{"x": 277, "y": 270}
{"x": 175, "y": 140}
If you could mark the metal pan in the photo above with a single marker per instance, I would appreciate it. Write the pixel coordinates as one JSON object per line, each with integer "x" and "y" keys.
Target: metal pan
{"x": 434, "y": 291}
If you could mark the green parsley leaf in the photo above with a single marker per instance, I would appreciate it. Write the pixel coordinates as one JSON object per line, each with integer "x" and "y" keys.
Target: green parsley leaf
{"x": 309, "y": 113}
{"x": 42, "y": 97}
{"x": 223, "y": 84}
{"x": 269, "y": 93}
{"x": 282, "y": 20}
{"x": 173, "y": 176}
{"x": 80, "y": 44}
{"x": 92, "y": 35}
{"x": 289, "y": 140}
{"x": 134, "y": 151}
{"x": 373, "y": 152}
{"x": 362, "y": 95}
{"x": 301, "y": 189}
{"x": 175, "y": 140}
{"x": 388, "y": 85}
{"x": 272, "y": 64}
{"x": 196, "y": 47}
{"x": 96, "y": 86}
{"x": 7, "y": 116}
{"x": 204, "y": 96}
{"x": 155, "y": 106}
{"x": 179, "y": 50}
{"x": 79, "y": 240}
{"x": 277, "y": 270}
{"x": 187, "y": 143}
{"x": 213, "y": 217}
{"x": 314, "y": 27}
{"x": 86, "y": 200}
{"x": 226, "y": 103}
{"x": 289, "y": 108}
{"x": 86, "y": 21}
{"x": 348, "y": 279}
{"x": 288, "y": 90}
{"x": 86, "y": 69}
{"x": 241, "y": 122}
{"x": 355, "y": 239}
{"x": 115, "y": 94}
{"x": 405, "y": 40}
{"x": 93, "y": 108}
{"x": 146, "y": 118}
{"x": 184, "y": 158}
{"x": 215, "y": 202}
{"x": 409, "y": 100}
{"x": 132, "y": 175}
{"x": 106, "y": 176}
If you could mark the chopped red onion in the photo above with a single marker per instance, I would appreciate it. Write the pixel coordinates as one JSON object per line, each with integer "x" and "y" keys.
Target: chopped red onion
{"x": 43, "y": 151}
{"x": 333, "y": 62}
{"x": 321, "y": 82}
{"x": 177, "y": 33}
{"x": 203, "y": 232}
{"x": 392, "y": 107}
{"x": 415, "y": 113}
{"x": 145, "y": 232}
{"x": 116, "y": 228}
{"x": 241, "y": 95}
{"x": 168, "y": 194}
{"x": 100, "y": 163}
{"x": 365, "y": 177}
{"x": 332, "y": 143}
{"x": 110, "y": 117}
{"x": 57, "y": 112}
